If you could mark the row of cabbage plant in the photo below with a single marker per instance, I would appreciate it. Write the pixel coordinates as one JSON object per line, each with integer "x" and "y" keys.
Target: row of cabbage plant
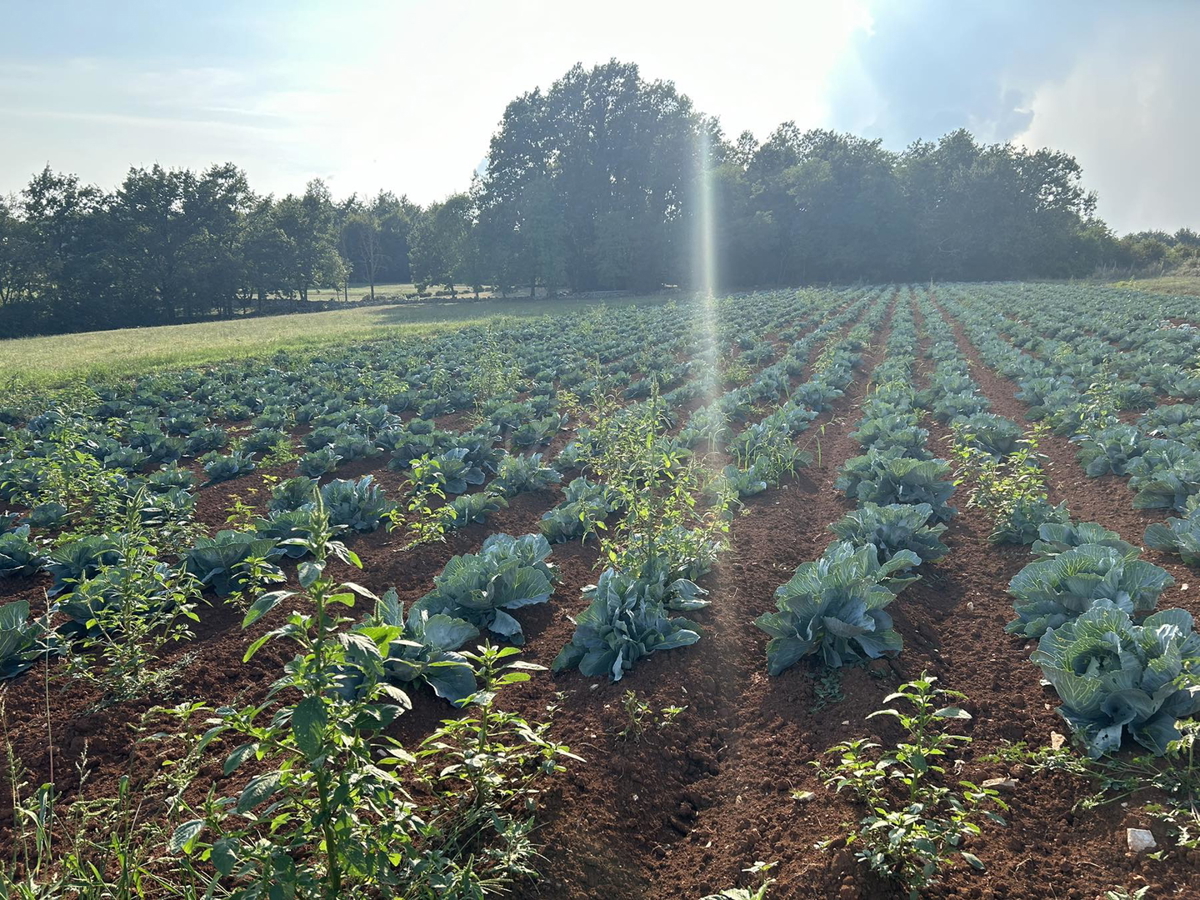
{"x": 1081, "y": 396}
{"x": 834, "y": 608}
{"x": 630, "y": 611}
{"x": 1119, "y": 668}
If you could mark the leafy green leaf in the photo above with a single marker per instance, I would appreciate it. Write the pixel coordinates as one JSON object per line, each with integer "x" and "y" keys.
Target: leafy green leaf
{"x": 257, "y": 789}
{"x": 952, "y": 712}
{"x": 225, "y": 855}
{"x": 183, "y": 839}
{"x": 308, "y": 572}
{"x": 309, "y": 721}
{"x": 264, "y": 605}
{"x": 239, "y": 756}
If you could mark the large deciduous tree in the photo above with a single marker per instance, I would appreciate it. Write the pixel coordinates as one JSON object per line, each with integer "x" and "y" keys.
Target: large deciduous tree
{"x": 442, "y": 244}
{"x": 308, "y": 223}
{"x": 591, "y": 181}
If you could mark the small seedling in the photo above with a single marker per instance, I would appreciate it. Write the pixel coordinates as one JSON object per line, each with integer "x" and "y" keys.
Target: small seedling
{"x": 638, "y": 716}
{"x": 827, "y": 691}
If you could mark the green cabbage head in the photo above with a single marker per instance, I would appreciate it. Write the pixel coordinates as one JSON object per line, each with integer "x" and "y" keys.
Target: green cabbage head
{"x": 1118, "y": 679}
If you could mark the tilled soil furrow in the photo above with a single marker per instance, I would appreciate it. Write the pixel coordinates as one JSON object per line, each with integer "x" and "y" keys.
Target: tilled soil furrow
{"x": 765, "y": 732}
{"x": 967, "y": 596}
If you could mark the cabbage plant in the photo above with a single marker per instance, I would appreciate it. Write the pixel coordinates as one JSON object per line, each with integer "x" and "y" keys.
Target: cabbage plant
{"x": 884, "y": 477}
{"x": 623, "y": 624}
{"x": 75, "y": 560}
{"x": 22, "y": 479}
{"x": 1056, "y": 538}
{"x": 473, "y": 508}
{"x": 708, "y": 425}
{"x": 1162, "y": 418}
{"x": 318, "y": 462}
{"x": 458, "y": 471}
{"x": 770, "y": 448}
{"x": 126, "y": 459}
{"x": 889, "y": 431}
{"x": 744, "y": 482}
{"x": 222, "y": 562}
{"x": 834, "y": 607}
{"x": 48, "y": 515}
{"x": 418, "y": 649}
{"x": 893, "y": 528}
{"x": 1050, "y": 592}
{"x": 1019, "y": 522}
{"x": 262, "y": 440}
{"x": 516, "y": 474}
{"x": 1116, "y": 678}
{"x": 19, "y": 556}
{"x": 506, "y": 574}
{"x": 322, "y": 436}
{"x": 480, "y": 447}
{"x": 585, "y": 504}
{"x": 1178, "y": 536}
{"x": 291, "y": 530}
{"x": 816, "y": 395}
{"x": 539, "y": 431}
{"x": 357, "y": 505}
{"x": 292, "y": 494}
{"x": 205, "y": 440}
{"x": 792, "y": 416}
{"x": 1160, "y": 455}
{"x": 169, "y": 478}
{"x": 23, "y": 641}
{"x": 1170, "y": 487}
{"x": 994, "y": 435}
{"x": 1109, "y": 450}
{"x": 413, "y": 441}
{"x": 1165, "y": 476}
{"x": 960, "y": 405}
{"x": 226, "y": 468}
{"x": 353, "y": 444}
{"x": 669, "y": 575}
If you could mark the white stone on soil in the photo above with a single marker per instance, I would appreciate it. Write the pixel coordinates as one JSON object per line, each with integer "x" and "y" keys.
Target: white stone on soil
{"x": 1139, "y": 839}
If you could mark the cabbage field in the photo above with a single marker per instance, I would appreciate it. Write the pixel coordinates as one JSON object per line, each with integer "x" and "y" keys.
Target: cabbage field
{"x": 846, "y": 592}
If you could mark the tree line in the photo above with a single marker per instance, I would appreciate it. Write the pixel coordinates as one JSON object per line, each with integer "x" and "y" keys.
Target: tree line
{"x": 1144, "y": 251}
{"x": 605, "y": 181}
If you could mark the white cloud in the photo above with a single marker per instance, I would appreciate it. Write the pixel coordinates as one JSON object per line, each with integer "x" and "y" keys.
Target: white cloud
{"x": 1128, "y": 113}
{"x": 405, "y": 96}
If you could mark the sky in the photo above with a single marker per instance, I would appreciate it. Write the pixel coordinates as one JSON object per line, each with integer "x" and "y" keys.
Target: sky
{"x": 404, "y": 95}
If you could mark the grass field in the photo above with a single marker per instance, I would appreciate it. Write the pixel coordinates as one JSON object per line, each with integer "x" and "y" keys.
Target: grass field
{"x": 1175, "y": 285}
{"x": 59, "y": 360}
